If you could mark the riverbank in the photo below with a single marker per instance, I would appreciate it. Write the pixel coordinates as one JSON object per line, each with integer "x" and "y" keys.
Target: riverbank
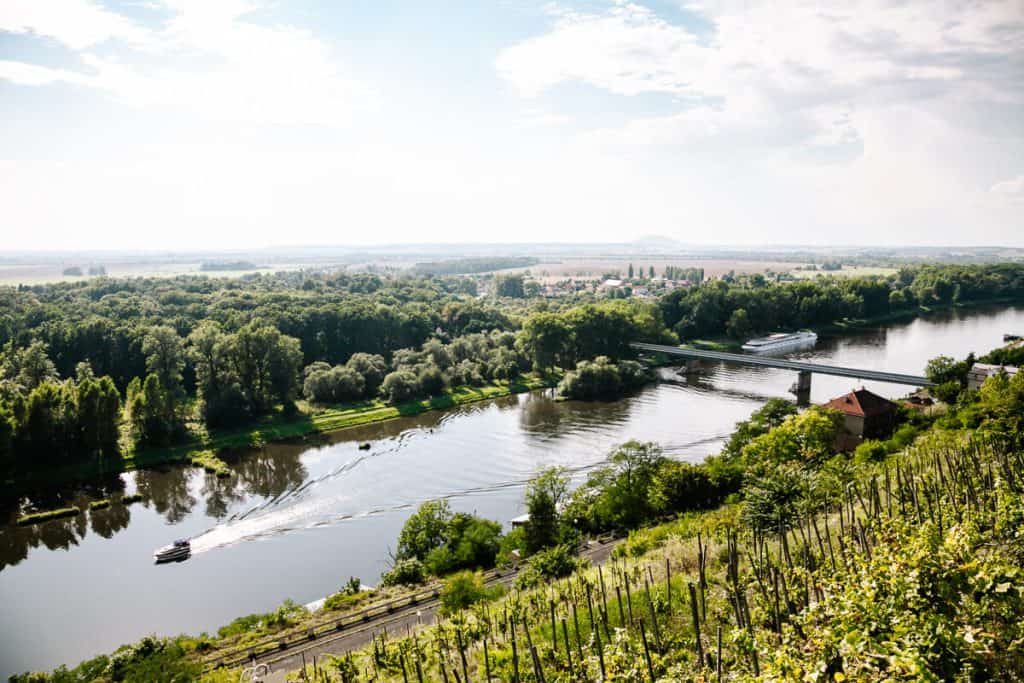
{"x": 204, "y": 449}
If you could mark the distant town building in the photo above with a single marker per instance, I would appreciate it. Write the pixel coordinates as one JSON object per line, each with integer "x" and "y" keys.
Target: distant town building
{"x": 611, "y": 284}
{"x": 865, "y": 416}
{"x": 980, "y": 372}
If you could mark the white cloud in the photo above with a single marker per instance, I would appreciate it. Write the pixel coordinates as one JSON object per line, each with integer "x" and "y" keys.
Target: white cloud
{"x": 30, "y": 74}
{"x": 885, "y": 118}
{"x": 77, "y": 24}
{"x": 207, "y": 59}
{"x": 784, "y": 57}
{"x": 628, "y": 50}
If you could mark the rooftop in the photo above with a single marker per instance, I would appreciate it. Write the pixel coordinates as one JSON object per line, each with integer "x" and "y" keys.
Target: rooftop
{"x": 861, "y": 403}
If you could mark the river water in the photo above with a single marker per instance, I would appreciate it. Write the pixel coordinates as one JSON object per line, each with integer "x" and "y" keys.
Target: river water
{"x": 296, "y": 520}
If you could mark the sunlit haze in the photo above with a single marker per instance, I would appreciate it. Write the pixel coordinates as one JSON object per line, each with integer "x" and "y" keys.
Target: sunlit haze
{"x": 187, "y": 124}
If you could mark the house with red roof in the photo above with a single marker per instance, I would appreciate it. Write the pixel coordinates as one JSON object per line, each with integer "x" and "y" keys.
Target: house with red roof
{"x": 866, "y": 415}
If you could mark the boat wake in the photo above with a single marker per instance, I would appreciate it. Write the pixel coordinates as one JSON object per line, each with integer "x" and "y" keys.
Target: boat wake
{"x": 301, "y": 508}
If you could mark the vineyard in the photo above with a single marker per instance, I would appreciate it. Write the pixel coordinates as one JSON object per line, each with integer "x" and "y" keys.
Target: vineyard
{"x": 907, "y": 569}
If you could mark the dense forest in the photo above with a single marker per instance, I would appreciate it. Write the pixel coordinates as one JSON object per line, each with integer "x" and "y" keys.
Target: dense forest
{"x": 95, "y": 368}
{"x": 755, "y": 304}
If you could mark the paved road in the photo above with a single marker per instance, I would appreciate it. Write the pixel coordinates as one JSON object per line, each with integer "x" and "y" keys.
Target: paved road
{"x": 406, "y": 618}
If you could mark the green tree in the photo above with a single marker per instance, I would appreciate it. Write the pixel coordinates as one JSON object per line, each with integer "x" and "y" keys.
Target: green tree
{"x": 624, "y": 499}
{"x": 510, "y": 286}
{"x": 28, "y": 367}
{"x": 43, "y": 428}
{"x": 152, "y": 412}
{"x": 165, "y": 356}
{"x": 807, "y": 437}
{"x": 267, "y": 364}
{"x": 400, "y": 385}
{"x": 424, "y": 530}
{"x": 739, "y": 324}
{"x": 545, "y": 339}
{"x": 544, "y": 497}
{"x": 372, "y": 368}
{"x": 681, "y": 486}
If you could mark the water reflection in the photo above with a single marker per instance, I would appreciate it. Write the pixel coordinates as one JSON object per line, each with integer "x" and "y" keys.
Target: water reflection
{"x": 267, "y": 473}
{"x": 109, "y": 521}
{"x": 167, "y": 491}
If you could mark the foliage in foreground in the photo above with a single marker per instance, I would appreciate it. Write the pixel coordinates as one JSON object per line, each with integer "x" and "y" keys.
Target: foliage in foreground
{"x": 910, "y": 570}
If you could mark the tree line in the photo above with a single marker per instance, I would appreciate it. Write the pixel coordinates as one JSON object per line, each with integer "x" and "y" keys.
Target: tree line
{"x": 747, "y": 304}
{"x": 224, "y": 352}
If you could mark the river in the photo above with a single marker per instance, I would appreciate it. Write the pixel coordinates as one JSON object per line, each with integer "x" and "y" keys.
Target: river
{"x": 296, "y": 520}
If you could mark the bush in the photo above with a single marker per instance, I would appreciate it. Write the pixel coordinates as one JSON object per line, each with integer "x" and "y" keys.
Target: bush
{"x": 602, "y": 379}
{"x": 947, "y": 392}
{"x": 547, "y": 565}
{"x": 904, "y": 436}
{"x": 514, "y": 540}
{"x": 464, "y": 589}
{"x": 349, "y": 596}
{"x": 332, "y": 385}
{"x": 431, "y": 380}
{"x": 773, "y": 500}
{"x": 409, "y": 572}
{"x": 870, "y": 451}
{"x": 400, "y": 385}
{"x": 372, "y": 368}
{"x": 680, "y": 486}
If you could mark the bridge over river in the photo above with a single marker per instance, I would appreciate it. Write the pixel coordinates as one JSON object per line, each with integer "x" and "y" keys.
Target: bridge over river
{"x": 804, "y": 370}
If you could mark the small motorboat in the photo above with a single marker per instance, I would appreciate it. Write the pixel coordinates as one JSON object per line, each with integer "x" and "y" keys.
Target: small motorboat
{"x": 365, "y": 446}
{"x": 175, "y": 552}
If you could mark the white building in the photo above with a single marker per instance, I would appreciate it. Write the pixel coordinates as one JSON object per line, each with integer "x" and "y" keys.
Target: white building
{"x": 982, "y": 371}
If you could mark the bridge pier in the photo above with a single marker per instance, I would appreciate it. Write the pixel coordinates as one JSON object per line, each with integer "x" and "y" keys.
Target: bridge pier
{"x": 802, "y": 388}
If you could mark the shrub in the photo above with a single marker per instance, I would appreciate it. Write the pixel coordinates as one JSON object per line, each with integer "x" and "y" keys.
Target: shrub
{"x": 947, "y": 392}
{"x": 371, "y": 367}
{"x": 904, "y": 436}
{"x": 400, "y": 385}
{"x": 602, "y": 379}
{"x": 466, "y": 588}
{"x": 553, "y": 563}
{"x": 679, "y": 486}
{"x": 405, "y": 573}
{"x": 332, "y": 385}
{"x": 870, "y": 451}
{"x": 773, "y": 499}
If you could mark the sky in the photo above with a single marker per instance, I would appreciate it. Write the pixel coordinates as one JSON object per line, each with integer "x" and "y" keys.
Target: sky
{"x": 221, "y": 124}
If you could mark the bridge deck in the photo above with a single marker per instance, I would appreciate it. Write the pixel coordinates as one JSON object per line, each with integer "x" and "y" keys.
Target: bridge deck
{"x": 800, "y": 366}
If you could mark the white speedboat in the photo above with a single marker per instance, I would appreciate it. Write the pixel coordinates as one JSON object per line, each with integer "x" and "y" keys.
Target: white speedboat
{"x": 783, "y": 341}
{"x": 179, "y": 550}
